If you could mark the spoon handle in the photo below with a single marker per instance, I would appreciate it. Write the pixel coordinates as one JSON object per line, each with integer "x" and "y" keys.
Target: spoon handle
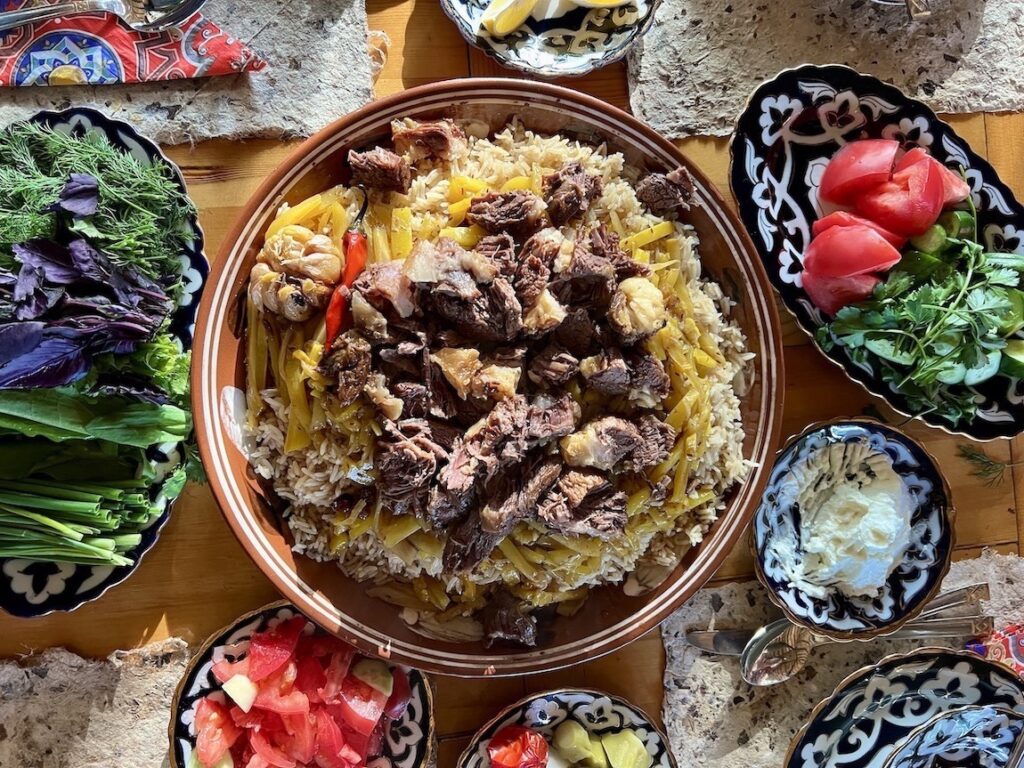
{"x": 10, "y": 19}
{"x": 944, "y": 627}
{"x": 957, "y": 598}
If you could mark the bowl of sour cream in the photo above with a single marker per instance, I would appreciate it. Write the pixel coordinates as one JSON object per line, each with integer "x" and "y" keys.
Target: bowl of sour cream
{"x": 854, "y": 533}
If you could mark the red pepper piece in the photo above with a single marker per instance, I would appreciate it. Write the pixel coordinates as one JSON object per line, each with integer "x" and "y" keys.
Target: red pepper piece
{"x": 354, "y": 245}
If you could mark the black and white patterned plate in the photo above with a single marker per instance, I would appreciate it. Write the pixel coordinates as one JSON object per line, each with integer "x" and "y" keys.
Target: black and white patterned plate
{"x": 971, "y": 737}
{"x": 792, "y": 125}
{"x": 912, "y": 584}
{"x": 409, "y": 742}
{"x": 573, "y": 41}
{"x": 598, "y": 713}
{"x": 30, "y": 589}
{"x": 874, "y": 711}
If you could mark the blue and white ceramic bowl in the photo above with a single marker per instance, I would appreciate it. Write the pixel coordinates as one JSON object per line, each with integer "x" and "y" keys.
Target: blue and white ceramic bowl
{"x": 971, "y": 737}
{"x": 791, "y": 127}
{"x": 598, "y": 713}
{"x": 872, "y": 713}
{"x": 572, "y": 41}
{"x": 409, "y": 742}
{"x": 914, "y": 582}
{"x": 30, "y": 589}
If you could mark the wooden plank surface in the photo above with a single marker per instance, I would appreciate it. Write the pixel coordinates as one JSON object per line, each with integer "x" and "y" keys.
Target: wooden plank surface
{"x": 198, "y": 578}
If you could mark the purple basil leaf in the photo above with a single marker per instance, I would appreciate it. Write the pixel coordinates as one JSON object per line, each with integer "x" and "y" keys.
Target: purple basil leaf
{"x": 50, "y": 258}
{"x": 32, "y": 297}
{"x": 80, "y": 196}
{"x": 33, "y": 356}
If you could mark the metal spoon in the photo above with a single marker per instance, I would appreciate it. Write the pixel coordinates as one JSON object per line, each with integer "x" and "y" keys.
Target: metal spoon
{"x": 141, "y": 15}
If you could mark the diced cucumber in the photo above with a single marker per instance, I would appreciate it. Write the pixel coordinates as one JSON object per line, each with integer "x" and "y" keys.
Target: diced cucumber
{"x": 572, "y": 741}
{"x": 919, "y": 264}
{"x": 375, "y": 674}
{"x": 1012, "y": 364}
{"x": 958, "y": 224}
{"x": 986, "y": 368}
{"x": 242, "y": 691}
{"x": 1013, "y": 318}
{"x": 886, "y": 350}
{"x": 946, "y": 343}
{"x": 952, "y": 373}
{"x": 932, "y": 240}
{"x": 598, "y": 759}
{"x": 625, "y": 750}
{"x": 224, "y": 762}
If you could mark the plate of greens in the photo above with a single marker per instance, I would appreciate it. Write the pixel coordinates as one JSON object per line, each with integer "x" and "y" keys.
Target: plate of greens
{"x": 101, "y": 269}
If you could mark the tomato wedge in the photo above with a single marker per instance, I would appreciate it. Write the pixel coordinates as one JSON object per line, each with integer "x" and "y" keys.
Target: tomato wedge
{"x": 909, "y": 203}
{"x": 299, "y": 739}
{"x": 331, "y": 749}
{"x": 310, "y": 678}
{"x": 224, "y": 670}
{"x": 268, "y": 751}
{"x": 845, "y": 251}
{"x": 954, "y": 188}
{"x": 856, "y": 168}
{"x": 335, "y": 674}
{"x": 847, "y": 219}
{"x": 361, "y": 705}
{"x": 278, "y": 694}
{"x": 830, "y": 294}
{"x": 215, "y": 731}
{"x": 269, "y": 651}
{"x": 517, "y": 747}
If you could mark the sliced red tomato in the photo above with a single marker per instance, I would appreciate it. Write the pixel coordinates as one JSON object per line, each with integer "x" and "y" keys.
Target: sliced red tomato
{"x": 256, "y": 718}
{"x": 332, "y": 751}
{"x": 299, "y": 738}
{"x": 856, "y": 168}
{"x": 954, "y": 188}
{"x": 256, "y": 762}
{"x": 847, "y": 219}
{"x": 321, "y": 645}
{"x": 830, "y": 294}
{"x": 853, "y": 250}
{"x": 361, "y": 705}
{"x": 335, "y": 674}
{"x": 269, "y": 651}
{"x": 310, "y": 678}
{"x": 401, "y": 692}
{"x": 517, "y": 747}
{"x": 278, "y": 693}
{"x": 360, "y": 742}
{"x": 215, "y": 731}
{"x": 274, "y": 756}
{"x": 909, "y": 203}
{"x": 375, "y": 744}
{"x": 224, "y": 670}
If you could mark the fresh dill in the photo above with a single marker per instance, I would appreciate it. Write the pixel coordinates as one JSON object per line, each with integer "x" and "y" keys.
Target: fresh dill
{"x": 986, "y": 468}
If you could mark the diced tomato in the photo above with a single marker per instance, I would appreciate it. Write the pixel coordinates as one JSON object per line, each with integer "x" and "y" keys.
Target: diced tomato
{"x": 257, "y": 718}
{"x": 847, "y": 219}
{"x": 401, "y": 692}
{"x": 954, "y": 187}
{"x": 853, "y": 250}
{"x": 269, "y": 651}
{"x": 517, "y": 747}
{"x": 321, "y": 645}
{"x": 360, "y": 742}
{"x": 310, "y": 678}
{"x": 215, "y": 731}
{"x": 830, "y": 294}
{"x": 375, "y": 744}
{"x": 268, "y": 751}
{"x": 256, "y": 762}
{"x": 278, "y": 694}
{"x": 224, "y": 670}
{"x": 856, "y": 168}
{"x": 331, "y": 749}
{"x": 299, "y": 739}
{"x": 361, "y": 705}
{"x": 909, "y": 203}
{"x": 337, "y": 671}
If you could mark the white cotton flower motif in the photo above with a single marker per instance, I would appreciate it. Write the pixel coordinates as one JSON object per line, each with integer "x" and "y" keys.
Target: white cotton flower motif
{"x": 544, "y": 712}
{"x": 24, "y": 575}
{"x": 1004, "y": 239}
{"x": 909, "y": 132}
{"x": 776, "y": 112}
{"x": 790, "y": 264}
{"x": 842, "y": 114}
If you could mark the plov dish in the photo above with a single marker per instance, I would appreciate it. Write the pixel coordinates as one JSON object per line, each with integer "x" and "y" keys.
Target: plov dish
{"x": 525, "y": 391}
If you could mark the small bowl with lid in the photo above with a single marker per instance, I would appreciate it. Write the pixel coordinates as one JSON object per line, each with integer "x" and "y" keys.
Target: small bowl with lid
{"x": 854, "y": 532}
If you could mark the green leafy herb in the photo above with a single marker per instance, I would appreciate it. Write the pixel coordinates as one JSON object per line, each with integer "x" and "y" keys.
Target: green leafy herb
{"x": 160, "y": 361}
{"x": 987, "y": 468}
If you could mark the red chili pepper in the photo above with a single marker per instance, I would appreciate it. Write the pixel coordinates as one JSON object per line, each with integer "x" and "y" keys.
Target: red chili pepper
{"x": 354, "y": 246}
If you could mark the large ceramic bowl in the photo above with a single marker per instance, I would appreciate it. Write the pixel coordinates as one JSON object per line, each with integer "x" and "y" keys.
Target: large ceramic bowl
{"x": 792, "y": 125}
{"x": 610, "y": 618}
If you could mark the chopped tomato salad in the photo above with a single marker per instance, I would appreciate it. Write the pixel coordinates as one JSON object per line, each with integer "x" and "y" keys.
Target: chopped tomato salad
{"x": 298, "y": 699}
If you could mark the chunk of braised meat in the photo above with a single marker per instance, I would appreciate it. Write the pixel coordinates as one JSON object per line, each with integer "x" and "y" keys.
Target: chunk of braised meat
{"x": 505, "y": 619}
{"x": 349, "y": 364}
{"x": 578, "y": 333}
{"x": 380, "y": 168}
{"x": 601, "y": 444}
{"x": 531, "y": 278}
{"x": 405, "y": 358}
{"x": 657, "y": 441}
{"x": 637, "y": 310}
{"x": 500, "y": 251}
{"x": 606, "y": 372}
{"x": 415, "y": 399}
{"x": 447, "y": 262}
{"x": 549, "y": 418}
{"x": 467, "y": 545}
{"x": 406, "y": 462}
{"x": 569, "y": 192}
{"x": 588, "y": 280}
{"x": 386, "y": 288}
{"x": 439, "y": 139}
{"x": 387, "y": 404}
{"x": 441, "y": 398}
{"x": 606, "y": 244}
{"x": 554, "y": 366}
{"x": 584, "y": 503}
{"x": 514, "y": 494}
{"x": 649, "y": 383}
{"x": 519, "y": 213}
{"x": 666, "y": 193}
{"x": 494, "y": 315}
{"x": 444, "y": 434}
{"x": 366, "y": 318}
{"x": 546, "y": 314}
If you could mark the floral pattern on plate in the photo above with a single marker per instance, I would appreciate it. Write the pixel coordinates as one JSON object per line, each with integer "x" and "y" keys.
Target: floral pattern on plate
{"x": 911, "y": 584}
{"x": 408, "y": 743}
{"x": 573, "y": 41}
{"x": 972, "y": 737}
{"x": 792, "y": 125}
{"x": 598, "y": 713}
{"x": 29, "y": 588}
{"x": 873, "y": 712}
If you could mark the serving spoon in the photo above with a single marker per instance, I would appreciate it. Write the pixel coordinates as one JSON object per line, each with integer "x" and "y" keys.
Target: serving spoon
{"x": 140, "y": 15}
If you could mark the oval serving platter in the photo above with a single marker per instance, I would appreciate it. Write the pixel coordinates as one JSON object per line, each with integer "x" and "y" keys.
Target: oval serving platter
{"x": 598, "y": 713}
{"x": 917, "y": 579}
{"x": 408, "y": 743}
{"x": 791, "y": 126}
{"x": 30, "y": 589}
{"x": 876, "y": 709}
{"x": 572, "y": 42}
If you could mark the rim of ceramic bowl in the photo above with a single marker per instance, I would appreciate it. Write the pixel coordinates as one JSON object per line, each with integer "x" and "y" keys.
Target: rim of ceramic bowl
{"x": 983, "y": 165}
{"x": 865, "y": 670}
{"x": 474, "y": 741}
{"x": 871, "y": 634}
{"x": 550, "y": 73}
{"x": 200, "y": 653}
{"x": 949, "y": 713}
{"x": 760, "y": 445}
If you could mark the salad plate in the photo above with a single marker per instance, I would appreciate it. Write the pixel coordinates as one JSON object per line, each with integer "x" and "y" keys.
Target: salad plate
{"x": 35, "y": 588}
{"x": 875, "y": 710}
{"x": 792, "y": 126}
{"x": 980, "y": 736}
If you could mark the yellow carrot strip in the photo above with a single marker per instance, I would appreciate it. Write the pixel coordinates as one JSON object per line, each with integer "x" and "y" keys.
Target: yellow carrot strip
{"x": 401, "y": 233}
{"x": 457, "y": 212}
{"x": 517, "y": 183}
{"x": 301, "y": 212}
{"x": 648, "y": 236}
{"x": 467, "y": 237}
{"x": 463, "y": 186}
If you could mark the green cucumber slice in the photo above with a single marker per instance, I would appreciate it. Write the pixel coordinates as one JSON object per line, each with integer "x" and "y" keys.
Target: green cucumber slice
{"x": 958, "y": 224}
{"x": 932, "y": 240}
{"x": 984, "y": 370}
{"x": 375, "y": 674}
{"x": 1012, "y": 363}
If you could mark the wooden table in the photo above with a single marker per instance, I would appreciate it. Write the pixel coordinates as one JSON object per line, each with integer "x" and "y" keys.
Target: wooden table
{"x": 198, "y": 578}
